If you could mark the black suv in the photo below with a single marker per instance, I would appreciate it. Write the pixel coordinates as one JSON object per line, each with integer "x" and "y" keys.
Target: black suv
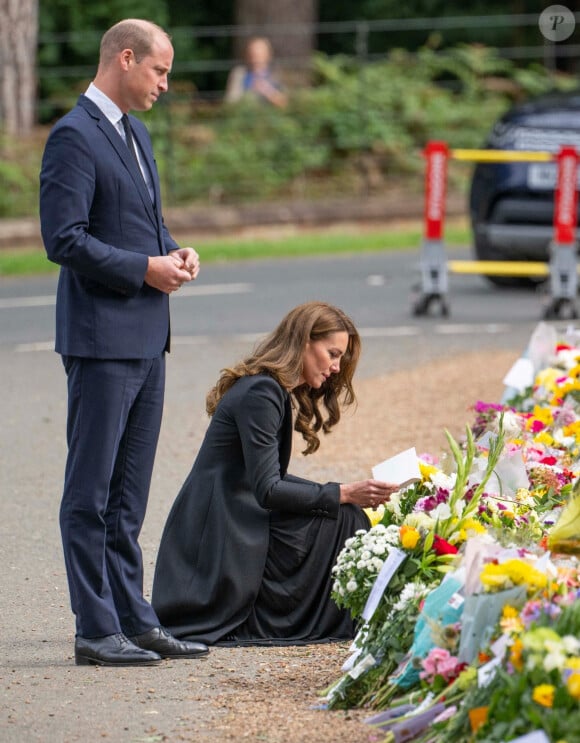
{"x": 512, "y": 204}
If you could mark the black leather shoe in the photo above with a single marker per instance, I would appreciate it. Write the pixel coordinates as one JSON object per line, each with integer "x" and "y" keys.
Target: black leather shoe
{"x": 159, "y": 640}
{"x": 112, "y": 650}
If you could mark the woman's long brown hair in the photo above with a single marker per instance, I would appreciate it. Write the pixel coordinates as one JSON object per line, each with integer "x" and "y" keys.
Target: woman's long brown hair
{"x": 280, "y": 355}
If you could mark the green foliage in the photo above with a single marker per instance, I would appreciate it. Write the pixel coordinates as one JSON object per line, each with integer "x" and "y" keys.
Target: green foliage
{"x": 356, "y": 130}
{"x": 19, "y": 167}
{"x": 14, "y": 184}
{"x": 359, "y": 129}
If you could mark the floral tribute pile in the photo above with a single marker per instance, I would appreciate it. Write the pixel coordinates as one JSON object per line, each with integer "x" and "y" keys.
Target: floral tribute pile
{"x": 466, "y": 588}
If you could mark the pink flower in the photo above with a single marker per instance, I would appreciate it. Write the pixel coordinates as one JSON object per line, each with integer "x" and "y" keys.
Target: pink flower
{"x": 440, "y": 662}
{"x": 427, "y": 458}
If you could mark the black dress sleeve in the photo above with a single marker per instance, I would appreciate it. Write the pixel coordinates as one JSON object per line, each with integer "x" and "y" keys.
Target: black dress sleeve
{"x": 261, "y": 416}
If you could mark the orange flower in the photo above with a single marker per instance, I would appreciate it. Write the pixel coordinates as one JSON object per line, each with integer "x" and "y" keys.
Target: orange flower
{"x": 516, "y": 654}
{"x": 477, "y": 717}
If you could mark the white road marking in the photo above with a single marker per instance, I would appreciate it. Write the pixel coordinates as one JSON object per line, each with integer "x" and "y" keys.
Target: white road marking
{"x": 206, "y": 290}
{"x": 186, "y": 292}
{"x": 16, "y": 303}
{"x": 386, "y": 332}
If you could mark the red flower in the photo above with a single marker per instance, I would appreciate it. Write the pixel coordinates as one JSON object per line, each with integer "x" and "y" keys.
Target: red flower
{"x": 548, "y": 460}
{"x": 442, "y": 547}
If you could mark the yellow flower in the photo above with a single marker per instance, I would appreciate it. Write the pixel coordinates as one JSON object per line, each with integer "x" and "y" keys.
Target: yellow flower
{"x": 474, "y": 526}
{"x": 547, "y": 378}
{"x": 573, "y": 429}
{"x": 509, "y": 612}
{"x": 544, "y": 438}
{"x": 512, "y": 625}
{"x": 512, "y": 572}
{"x": 409, "y": 537}
{"x": 544, "y": 694}
{"x": 573, "y": 685}
{"x": 491, "y": 577}
{"x": 543, "y": 414}
{"x": 573, "y": 663}
{"x": 375, "y": 514}
{"x": 568, "y": 387}
{"x": 427, "y": 470}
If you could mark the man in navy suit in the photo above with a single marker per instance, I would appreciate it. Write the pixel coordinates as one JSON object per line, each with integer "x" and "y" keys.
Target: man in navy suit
{"x": 100, "y": 212}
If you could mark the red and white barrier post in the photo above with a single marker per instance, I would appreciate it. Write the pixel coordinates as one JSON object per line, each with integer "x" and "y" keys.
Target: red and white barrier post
{"x": 563, "y": 260}
{"x": 434, "y": 282}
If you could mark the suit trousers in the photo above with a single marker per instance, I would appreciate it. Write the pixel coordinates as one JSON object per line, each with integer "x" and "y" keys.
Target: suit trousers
{"x": 114, "y": 417}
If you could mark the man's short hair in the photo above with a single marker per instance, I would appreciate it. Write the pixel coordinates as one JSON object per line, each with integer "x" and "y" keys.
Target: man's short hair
{"x": 132, "y": 33}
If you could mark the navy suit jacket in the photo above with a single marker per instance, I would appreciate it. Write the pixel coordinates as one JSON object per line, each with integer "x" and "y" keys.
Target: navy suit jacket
{"x": 99, "y": 224}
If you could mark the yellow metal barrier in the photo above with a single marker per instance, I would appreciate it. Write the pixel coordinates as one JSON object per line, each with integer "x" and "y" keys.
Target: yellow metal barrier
{"x": 562, "y": 270}
{"x": 500, "y": 268}
{"x": 501, "y": 156}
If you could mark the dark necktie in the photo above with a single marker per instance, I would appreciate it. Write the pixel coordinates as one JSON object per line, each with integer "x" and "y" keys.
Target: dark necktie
{"x": 129, "y": 137}
{"x": 131, "y": 147}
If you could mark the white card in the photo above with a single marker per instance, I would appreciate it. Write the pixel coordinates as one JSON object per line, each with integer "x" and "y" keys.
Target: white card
{"x": 521, "y": 375}
{"x": 402, "y": 469}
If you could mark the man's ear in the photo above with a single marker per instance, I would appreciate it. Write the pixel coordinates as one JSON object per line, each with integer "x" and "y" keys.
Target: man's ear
{"x": 127, "y": 58}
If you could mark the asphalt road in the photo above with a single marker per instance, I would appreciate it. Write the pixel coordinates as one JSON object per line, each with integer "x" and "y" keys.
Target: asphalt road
{"x": 43, "y": 696}
{"x": 243, "y": 300}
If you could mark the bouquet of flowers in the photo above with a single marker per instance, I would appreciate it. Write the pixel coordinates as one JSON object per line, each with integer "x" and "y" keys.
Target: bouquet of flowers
{"x": 526, "y": 677}
{"x": 537, "y": 684}
{"x": 468, "y": 626}
{"x": 419, "y": 535}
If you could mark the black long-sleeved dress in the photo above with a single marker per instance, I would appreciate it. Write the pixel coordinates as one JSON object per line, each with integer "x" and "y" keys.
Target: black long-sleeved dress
{"x": 247, "y": 550}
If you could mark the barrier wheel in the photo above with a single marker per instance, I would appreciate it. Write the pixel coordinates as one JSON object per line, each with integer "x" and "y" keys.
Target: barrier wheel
{"x": 561, "y": 308}
{"x": 426, "y": 302}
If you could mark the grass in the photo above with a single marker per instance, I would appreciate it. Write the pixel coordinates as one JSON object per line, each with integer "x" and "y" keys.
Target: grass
{"x": 33, "y": 261}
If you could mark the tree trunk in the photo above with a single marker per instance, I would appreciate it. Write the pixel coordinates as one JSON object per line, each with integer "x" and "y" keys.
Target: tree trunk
{"x": 292, "y": 32}
{"x": 18, "y": 40}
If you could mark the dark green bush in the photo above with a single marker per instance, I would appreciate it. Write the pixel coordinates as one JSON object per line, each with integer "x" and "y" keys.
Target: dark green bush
{"x": 358, "y": 129}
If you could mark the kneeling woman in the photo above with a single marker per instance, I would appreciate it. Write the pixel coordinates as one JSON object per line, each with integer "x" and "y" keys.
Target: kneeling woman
{"x": 247, "y": 551}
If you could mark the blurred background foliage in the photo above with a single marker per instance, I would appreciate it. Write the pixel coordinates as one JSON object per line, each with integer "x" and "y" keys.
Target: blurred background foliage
{"x": 375, "y": 97}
